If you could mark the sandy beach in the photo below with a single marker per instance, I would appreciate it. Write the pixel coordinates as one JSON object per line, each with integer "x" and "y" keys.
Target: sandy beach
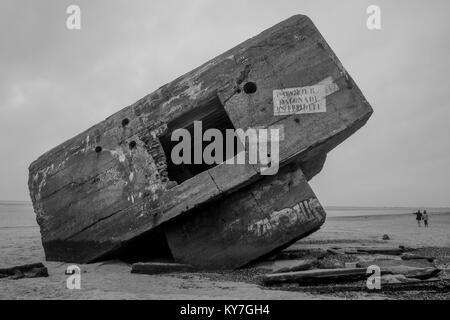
{"x": 294, "y": 147}
{"x": 112, "y": 280}
{"x": 401, "y": 228}
{"x": 20, "y": 244}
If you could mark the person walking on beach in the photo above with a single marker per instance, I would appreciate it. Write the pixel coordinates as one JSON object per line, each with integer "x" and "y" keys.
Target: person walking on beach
{"x": 418, "y": 217}
{"x": 425, "y": 218}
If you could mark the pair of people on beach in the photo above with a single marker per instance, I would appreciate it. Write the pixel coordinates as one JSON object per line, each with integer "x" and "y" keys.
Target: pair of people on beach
{"x": 422, "y": 216}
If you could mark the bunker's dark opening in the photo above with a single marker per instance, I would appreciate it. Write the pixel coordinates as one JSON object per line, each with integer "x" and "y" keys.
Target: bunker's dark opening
{"x": 212, "y": 116}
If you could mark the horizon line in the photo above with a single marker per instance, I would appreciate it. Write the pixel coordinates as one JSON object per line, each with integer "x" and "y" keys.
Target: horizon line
{"x": 326, "y": 206}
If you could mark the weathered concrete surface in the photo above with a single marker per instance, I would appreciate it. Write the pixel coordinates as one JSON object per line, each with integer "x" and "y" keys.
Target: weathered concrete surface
{"x": 256, "y": 221}
{"x": 110, "y": 184}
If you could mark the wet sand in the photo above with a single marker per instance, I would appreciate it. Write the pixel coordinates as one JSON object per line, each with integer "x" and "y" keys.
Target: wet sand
{"x": 401, "y": 228}
{"x": 113, "y": 280}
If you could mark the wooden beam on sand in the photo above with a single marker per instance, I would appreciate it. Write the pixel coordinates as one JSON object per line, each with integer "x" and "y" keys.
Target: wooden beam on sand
{"x": 435, "y": 285}
{"x": 381, "y": 250}
{"x": 409, "y": 256}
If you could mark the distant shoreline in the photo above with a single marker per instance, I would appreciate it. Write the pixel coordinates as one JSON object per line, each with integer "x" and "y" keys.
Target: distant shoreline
{"x": 329, "y": 208}
{"x": 350, "y": 208}
{"x": 15, "y": 202}
{"x": 388, "y": 215}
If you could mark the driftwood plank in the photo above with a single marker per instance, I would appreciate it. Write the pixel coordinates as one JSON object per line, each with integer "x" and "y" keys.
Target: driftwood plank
{"x": 317, "y": 276}
{"x": 409, "y": 256}
{"x": 412, "y": 272}
{"x": 381, "y": 250}
{"x": 435, "y": 285}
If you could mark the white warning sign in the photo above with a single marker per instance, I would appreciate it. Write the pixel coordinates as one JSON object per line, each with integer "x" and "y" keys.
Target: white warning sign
{"x": 311, "y": 99}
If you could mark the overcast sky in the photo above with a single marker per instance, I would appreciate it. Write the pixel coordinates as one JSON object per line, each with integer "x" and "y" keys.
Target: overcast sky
{"x": 55, "y": 83}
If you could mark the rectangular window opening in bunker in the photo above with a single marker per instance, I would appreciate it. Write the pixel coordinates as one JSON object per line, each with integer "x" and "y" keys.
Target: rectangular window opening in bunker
{"x": 212, "y": 115}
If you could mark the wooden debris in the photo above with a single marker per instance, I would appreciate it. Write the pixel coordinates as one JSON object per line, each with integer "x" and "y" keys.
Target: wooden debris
{"x": 160, "y": 267}
{"x": 435, "y": 285}
{"x": 34, "y": 270}
{"x": 409, "y": 256}
{"x": 316, "y": 276}
{"x": 380, "y": 250}
{"x": 397, "y": 274}
{"x": 417, "y": 285}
